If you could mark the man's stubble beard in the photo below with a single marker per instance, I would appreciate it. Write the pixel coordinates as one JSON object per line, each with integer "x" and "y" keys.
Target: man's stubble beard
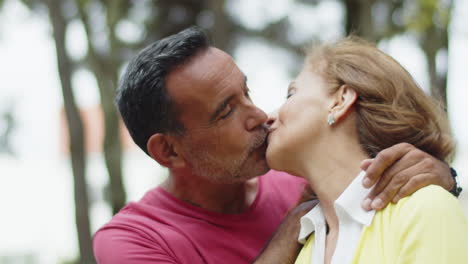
{"x": 208, "y": 166}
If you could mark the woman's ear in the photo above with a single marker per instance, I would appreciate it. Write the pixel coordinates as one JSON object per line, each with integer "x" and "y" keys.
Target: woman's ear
{"x": 162, "y": 148}
{"x": 344, "y": 99}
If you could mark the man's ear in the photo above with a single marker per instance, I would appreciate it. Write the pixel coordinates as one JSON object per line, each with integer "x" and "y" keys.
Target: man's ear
{"x": 344, "y": 99}
{"x": 162, "y": 149}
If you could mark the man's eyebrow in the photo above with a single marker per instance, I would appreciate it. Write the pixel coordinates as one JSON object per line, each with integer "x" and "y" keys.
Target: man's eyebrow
{"x": 221, "y": 107}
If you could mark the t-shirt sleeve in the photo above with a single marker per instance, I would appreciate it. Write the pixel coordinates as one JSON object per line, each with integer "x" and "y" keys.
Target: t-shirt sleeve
{"x": 119, "y": 245}
{"x": 432, "y": 228}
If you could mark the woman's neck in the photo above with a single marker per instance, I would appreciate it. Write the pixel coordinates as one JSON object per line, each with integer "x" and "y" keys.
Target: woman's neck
{"x": 330, "y": 168}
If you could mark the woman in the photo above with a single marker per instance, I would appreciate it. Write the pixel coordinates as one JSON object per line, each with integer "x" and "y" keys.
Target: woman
{"x": 349, "y": 102}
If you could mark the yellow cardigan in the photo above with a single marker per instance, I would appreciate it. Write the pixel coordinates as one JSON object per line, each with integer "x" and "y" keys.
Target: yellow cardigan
{"x": 428, "y": 227}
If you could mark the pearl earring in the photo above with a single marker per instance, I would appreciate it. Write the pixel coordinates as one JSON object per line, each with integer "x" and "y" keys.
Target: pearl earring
{"x": 331, "y": 119}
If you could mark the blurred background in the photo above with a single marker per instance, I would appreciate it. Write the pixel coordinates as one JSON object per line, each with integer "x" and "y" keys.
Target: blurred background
{"x": 66, "y": 162}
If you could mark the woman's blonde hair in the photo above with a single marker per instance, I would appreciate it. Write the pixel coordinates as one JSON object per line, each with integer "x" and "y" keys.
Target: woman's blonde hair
{"x": 390, "y": 108}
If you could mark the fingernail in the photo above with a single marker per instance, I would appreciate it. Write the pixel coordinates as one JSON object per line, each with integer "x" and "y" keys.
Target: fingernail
{"x": 366, "y": 182}
{"x": 377, "y": 204}
{"x": 395, "y": 199}
{"x": 366, "y": 204}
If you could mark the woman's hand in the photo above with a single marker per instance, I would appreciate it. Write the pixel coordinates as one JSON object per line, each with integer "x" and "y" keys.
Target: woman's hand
{"x": 399, "y": 171}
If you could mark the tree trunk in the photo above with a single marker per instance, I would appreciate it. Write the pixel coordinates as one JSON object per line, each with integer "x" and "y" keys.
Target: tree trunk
{"x": 105, "y": 70}
{"x": 112, "y": 146}
{"x": 222, "y": 30}
{"x": 75, "y": 129}
{"x": 433, "y": 41}
{"x": 174, "y": 16}
{"x": 359, "y": 19}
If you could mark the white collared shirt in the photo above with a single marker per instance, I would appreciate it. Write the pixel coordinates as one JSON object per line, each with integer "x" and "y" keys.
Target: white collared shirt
{"x": 351, "y": 219}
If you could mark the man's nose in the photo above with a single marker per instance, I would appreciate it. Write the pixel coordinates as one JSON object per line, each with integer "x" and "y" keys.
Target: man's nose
{"x": 256, "y": 118}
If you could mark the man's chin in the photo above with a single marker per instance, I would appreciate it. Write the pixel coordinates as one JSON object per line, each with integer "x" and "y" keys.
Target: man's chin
{"x": 255, "y": 164}
{"x": 261, "y": 167}
{"x": 261, "y": 154}
{"x": 258, "y": 165}
{"x": 255, "y": 172}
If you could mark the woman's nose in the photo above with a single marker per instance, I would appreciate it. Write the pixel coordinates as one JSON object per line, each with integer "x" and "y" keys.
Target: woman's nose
{"x": 272, "y": 118}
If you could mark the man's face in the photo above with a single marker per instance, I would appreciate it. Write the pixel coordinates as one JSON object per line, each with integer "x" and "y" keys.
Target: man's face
{"x": 224, "y": 139}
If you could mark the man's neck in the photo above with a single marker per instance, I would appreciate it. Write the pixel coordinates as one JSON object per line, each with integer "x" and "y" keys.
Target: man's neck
{"x": 220, "y": 198}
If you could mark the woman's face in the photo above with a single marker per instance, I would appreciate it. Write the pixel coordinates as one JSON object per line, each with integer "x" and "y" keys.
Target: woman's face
{"x": 301, "y": 121}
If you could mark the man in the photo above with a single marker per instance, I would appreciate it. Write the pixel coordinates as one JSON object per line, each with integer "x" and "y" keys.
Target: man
{"x": 187, "y": 105}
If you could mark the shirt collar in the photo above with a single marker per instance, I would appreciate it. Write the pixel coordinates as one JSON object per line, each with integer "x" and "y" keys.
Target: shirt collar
{"x": 349, "y": 202}
{"x": 311, "y": 221}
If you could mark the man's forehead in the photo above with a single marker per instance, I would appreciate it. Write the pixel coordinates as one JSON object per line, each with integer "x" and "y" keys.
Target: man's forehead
{"x": 200, "y": 82}
{"x": 202, "y": 65}
{"x": 200, "y": 70}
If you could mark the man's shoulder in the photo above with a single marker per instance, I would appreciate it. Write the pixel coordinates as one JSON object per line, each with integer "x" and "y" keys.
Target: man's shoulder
{"x": 144, "y": 219}
{"x": 138, "y": 227}
{"x": 132, "y": 241}
{"x": 133, "y": 220}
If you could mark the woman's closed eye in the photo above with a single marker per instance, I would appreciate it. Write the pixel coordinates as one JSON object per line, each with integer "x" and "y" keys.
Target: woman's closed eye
{"x": 290, "y": 93}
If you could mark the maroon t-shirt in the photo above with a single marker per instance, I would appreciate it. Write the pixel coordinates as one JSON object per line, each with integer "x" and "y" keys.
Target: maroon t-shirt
{"x": 163, "y": 229}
